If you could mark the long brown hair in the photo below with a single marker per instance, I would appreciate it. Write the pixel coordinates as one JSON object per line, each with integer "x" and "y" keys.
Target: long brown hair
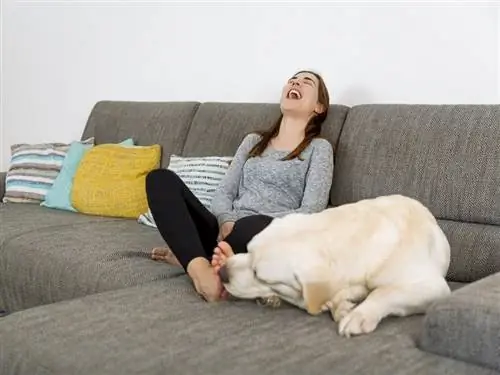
{"x": 312, "y": 130}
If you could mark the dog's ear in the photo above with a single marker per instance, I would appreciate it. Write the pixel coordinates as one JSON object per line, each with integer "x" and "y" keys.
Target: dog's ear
{"x": 316, "y": 288}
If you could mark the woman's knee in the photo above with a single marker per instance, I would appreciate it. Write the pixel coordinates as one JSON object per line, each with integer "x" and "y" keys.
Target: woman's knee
{"x": 245, "y": 229}
{"x": 158, "y": 179}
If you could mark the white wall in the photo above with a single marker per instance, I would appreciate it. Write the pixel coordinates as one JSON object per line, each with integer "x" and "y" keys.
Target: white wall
{"x": 59, "y": 59}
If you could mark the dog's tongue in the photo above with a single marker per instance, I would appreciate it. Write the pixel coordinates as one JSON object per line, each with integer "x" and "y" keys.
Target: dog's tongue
{"x": 223, "y": 274}
{"x": 224, "y": 294}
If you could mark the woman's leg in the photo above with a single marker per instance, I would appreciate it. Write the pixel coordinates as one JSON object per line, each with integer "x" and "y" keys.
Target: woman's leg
{"x": 188, "y": 227}
{"x": 236, "y": 242}
{"x": 244, "y": 230}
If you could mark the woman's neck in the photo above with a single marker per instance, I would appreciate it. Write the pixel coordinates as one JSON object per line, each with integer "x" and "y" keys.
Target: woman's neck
{"x": 292, "y": 128}
{"x": 291, "y": 133}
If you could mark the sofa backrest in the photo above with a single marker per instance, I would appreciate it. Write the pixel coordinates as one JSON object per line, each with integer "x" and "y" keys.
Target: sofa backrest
{"x": 446, "y": 156}
{"x": 191, "y": 128}
{"x": 164, "y": 123}
{"x": 218, "y": 128}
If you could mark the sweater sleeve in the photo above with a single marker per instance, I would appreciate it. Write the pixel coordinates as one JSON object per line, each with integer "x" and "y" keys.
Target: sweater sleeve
{"x": 318, "y": 180}
{"x": 222, "y": 203}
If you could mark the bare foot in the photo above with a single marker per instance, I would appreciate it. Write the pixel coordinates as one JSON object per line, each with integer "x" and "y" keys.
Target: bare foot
{"x": 164, "y": 254}
{"x": 206, "y": 282}
{"x": 221, "y": 253}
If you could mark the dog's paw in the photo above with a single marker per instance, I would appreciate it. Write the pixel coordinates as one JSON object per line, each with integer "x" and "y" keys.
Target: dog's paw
{"x": 341, "y": 311}
{"x": 358, "y": 322}
{"x": 273, "y": 301}
{"x": 327, "y": 306}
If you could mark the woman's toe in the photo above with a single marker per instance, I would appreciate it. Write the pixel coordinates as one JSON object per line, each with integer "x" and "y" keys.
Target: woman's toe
{"x": 225, "y": 249}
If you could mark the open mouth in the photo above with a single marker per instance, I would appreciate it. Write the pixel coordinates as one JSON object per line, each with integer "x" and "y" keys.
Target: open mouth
{"x": 294, "y": 94}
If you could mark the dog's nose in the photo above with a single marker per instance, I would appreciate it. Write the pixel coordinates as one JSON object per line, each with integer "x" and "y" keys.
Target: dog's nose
{"x": 223, "y": 274}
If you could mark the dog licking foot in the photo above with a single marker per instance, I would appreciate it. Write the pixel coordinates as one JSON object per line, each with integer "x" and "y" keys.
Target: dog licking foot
{"x": 221, "y": 253}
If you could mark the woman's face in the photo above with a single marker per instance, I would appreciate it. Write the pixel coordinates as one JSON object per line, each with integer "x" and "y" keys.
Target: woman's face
{"x": 300, "y": 95}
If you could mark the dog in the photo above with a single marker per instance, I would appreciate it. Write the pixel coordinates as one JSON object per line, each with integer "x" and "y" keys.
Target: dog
{"x": 362, "y": 261}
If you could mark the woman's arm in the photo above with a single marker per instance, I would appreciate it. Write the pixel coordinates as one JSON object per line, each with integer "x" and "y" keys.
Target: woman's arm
{"x": 318, "y": 180}
{"x": 222, "y": 203}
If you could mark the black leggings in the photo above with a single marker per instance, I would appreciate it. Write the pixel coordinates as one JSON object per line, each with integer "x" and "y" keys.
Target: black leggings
{"x": 187, "y": 226}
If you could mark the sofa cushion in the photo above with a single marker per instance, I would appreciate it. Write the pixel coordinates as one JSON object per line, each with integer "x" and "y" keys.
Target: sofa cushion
{"x": 447, "y": 156}
{"x": 218, "y": 128}
{"x": 55, "y": 255}
{"x": 466, "y": 325}
{"x": 475, "y": 250}
{"x": 110, "y": 180}
{"x": 17, "y": 219}
{"x": 164, "y": 123}
{"x": 33, "y": 170}
{"x": 59, "y": 195}
{"x": 163, "y": 327}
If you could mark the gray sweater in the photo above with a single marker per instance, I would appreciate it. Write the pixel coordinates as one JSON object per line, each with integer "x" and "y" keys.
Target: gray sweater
{"x": 269, "y": 186}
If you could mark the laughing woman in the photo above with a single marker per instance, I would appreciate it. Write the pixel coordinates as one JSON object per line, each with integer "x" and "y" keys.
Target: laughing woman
{"x": 283, "y": 170}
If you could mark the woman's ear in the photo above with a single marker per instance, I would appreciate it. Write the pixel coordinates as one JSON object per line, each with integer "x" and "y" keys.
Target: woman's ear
{"x": 320, "y": 108}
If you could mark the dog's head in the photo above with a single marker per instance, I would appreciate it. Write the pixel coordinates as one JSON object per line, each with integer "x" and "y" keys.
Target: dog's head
{"x": 245, "y": 277}
{"x": 240, "y": 278}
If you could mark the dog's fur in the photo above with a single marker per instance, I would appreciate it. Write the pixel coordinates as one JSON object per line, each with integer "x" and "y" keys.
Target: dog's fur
{"x": 361, "y": 261}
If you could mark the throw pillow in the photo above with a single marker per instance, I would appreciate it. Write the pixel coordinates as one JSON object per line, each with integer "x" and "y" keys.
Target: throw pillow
{"x": 33, "y": 169}
{"x": 110, "y": 179}
{"x": 59, "y": 195}
{"x": 202, "y": 175}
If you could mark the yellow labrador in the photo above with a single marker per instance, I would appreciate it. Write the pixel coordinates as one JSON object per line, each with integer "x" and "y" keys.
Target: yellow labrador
{"x": 361, "y": 261}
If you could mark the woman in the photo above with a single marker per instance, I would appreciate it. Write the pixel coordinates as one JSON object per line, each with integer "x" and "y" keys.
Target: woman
{"x": 285, "y": 169}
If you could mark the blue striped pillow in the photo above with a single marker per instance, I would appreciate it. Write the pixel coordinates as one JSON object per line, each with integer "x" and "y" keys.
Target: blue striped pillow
{"x": 33, "y": 169}
{"x": 202, "y": 175}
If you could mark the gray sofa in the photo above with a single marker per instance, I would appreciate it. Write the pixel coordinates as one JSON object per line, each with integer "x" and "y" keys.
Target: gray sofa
{"x": 83, "y": 297}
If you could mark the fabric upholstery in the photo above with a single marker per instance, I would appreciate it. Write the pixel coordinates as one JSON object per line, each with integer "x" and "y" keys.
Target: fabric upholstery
{"x": 49, "y": 255}
{"x": 447, "y": 156}
{"x": 467, "y": 325}
{"x": 18, "y": 219}
{"x": 110, "y": 180}
{"x": 163, "y": 327}
{"x": 2, "y": 184}
{"x": 475, "y": 250}
{"x": 218, "y": 128}
{"x": 164, "y": 123}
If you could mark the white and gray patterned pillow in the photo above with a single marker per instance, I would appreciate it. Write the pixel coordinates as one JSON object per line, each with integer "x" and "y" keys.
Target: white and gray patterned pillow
{"x": 202, "y": 175}
{"x": 33, "y": 169}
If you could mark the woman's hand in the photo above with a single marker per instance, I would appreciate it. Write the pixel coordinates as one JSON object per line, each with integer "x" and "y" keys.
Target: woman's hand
{"x": 225, "y": 229}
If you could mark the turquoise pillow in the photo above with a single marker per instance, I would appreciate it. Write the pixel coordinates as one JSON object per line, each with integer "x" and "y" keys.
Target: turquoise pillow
{"x": 59, "y": 195}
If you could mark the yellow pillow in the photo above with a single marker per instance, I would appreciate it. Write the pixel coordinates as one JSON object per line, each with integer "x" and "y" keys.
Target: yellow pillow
{"x": 110, "y": 180}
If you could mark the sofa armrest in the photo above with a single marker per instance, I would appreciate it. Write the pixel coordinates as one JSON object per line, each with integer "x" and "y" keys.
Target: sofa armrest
{"x": 2, "y": 184}
{"x": 466, "y": 325}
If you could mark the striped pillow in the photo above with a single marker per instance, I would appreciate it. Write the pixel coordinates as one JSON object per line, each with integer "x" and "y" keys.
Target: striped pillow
{"x": 202, "y": 175}
{"x": 33, "y": 169}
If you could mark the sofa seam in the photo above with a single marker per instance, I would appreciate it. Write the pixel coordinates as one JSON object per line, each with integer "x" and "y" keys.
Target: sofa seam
{"x": 194, "y": 112}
